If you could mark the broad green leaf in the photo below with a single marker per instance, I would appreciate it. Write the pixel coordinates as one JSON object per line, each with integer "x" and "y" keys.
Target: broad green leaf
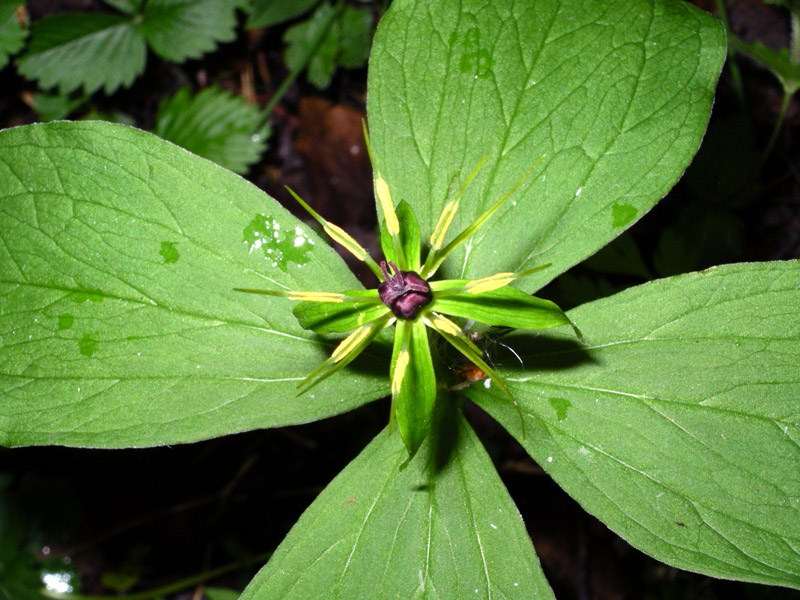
{"x": 506, "y": 306}
{"x": 88, "y": 51}
{"x": 264, "y": 13}
{"x": 444, "y": 528}
{"x": 329, "y": 37}
{"x": 215, "y": 125}
{"x": 181, "y": 29}
{"x": 612, "y": 96}
{"x": 413, "y": 383}
{"x": 678, "y": 424}
{"x": 12, "y": 32}
{"x": 119, "y": 322}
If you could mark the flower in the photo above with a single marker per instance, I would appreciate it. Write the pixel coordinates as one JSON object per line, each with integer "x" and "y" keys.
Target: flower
{"x": 407, "y": 299}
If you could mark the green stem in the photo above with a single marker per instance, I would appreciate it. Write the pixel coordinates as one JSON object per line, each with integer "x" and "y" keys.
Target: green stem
{"x": 294, "y": 73}
{"x": 733, "y": 66}
{"x": 794, "y": 43}
{"x": 165, "y": 589}
{"x": 787, "y": 98}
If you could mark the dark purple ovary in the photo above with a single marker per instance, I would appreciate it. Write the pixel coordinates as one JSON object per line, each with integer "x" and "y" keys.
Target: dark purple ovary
{"x": 404, "y": 292}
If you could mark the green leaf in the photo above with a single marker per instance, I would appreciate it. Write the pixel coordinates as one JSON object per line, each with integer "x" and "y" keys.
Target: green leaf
{"x": 53, "y": 107}
{"x": 88, "y": 51}
{"x": 409, "y": 238}
{"x": 119, "y": 322}
{"x": 12, "y": 32}
{"x": 271, "y": 12}
{"x": 330, "y": 37}
{"x": 413, "y": 383}
{"x": 615, "y": 96}
{"x": 325, "y": 317}
{"x": 441, "y": 528}
{"x": 678, "y": 425}
{"x": 506, "y": 306}
{"x": 216, "y": 125}
{"x": 779, "y": 62}
{"x": 220, "y": 594}
{"x": 181, "y": 29}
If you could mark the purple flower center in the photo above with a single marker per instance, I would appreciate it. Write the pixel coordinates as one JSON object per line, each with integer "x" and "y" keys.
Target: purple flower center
{"x": 405, "y": 292}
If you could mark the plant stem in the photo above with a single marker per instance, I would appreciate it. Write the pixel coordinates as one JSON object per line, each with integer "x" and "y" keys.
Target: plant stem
{"x": 733, "y": 66}
{"x": 165, "y": 589}
{"x": 293, "y": 74}
{"x": 787, "y": 98}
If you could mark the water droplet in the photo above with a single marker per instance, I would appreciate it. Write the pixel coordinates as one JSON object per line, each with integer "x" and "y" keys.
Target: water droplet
{"x": 280, "y": 246}
{"x": 81, "y": 297}
{"x": 169, "y": 252}
{"x": 578, "y": 191}
{"x": 549, "y": 459}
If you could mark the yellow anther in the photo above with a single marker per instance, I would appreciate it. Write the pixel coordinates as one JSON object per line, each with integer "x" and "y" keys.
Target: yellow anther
{"x": 385, "y": 199}
{"x": 487, "y": 284}
{"x": 448, "y": 212}
{"x": 399, "y": 371}
{"x": 315, "y": 296}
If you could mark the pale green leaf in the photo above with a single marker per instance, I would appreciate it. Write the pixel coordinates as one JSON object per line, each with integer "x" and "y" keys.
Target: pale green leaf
{"x": 264, "y": 13}
{"x": 88, "y": 51}
{"x": 678, "y": 424}
{"x": 506, "y": 306}
{"x": 12, "y": 32}
{"x": 413, "y": 400}
{"x": 119, "y": 324}
{"x": 181, "y": 29}
{"x": 216, "y": 125}
{"x": 612, "y": 96}
{"x": 324, "y": 317}
{"x": 444, "y": 528}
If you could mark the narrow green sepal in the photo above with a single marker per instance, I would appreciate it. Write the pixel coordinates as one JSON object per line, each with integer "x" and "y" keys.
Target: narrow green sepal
{"x": 409, "y": 239}
{"x": 450, "y": 332}
{"x": 413, "y": 384}
{"x": 338, "y": 318}
{"x": 336, "y": 363}
{"x": 506, "y": 306}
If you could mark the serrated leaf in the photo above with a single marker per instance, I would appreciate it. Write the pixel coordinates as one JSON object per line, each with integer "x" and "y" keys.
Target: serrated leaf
{"x": 614, "y": 95}
{"x": 678, "y": 425}
{"x": 264, "y": 13}
{"x": 12, "y": 32}
{"x": 444, "y": 528}
{"x": 330, "y": 37}
{"x": 216, "y": 125}
{"x": 88, "y": 51}
{"x": 181, "y": 29}
{"x": 506, "y": 306}
{"x": 120, "y": 325}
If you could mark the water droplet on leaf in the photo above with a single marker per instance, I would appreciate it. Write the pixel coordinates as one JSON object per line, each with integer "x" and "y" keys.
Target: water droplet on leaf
{"x": 280, "y": 246}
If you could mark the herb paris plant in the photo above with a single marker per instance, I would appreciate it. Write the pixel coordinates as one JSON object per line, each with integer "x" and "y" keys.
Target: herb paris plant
{"x": 676, "y": 423}
{"x": 406, "y": 297}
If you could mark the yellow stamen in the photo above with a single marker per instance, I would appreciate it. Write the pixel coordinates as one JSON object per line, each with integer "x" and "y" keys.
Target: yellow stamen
{"x": 487, "y": 284}
{"x": 448, "y": 212}
{"x": 350, "y": 342}
{"x": 399, "y": 371}
{"x": 345, "y": 239}
{"x": 315, "y": 296}
{"x": 385, "y": 198}
{"x": 446, "y": 325}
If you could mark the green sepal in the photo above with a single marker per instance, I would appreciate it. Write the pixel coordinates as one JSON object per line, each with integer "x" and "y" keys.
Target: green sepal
{"x": 409, "y": 239}
{"x": 412, "y": 405}
{"x": 506, "y": 306}
{"x": 473, "y": 354}
{"x": 326, "y": 317}
{"x": 329, "y": 367}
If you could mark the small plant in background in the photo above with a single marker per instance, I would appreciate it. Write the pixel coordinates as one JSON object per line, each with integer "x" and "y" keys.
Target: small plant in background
{"x": 675, "y": 421}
